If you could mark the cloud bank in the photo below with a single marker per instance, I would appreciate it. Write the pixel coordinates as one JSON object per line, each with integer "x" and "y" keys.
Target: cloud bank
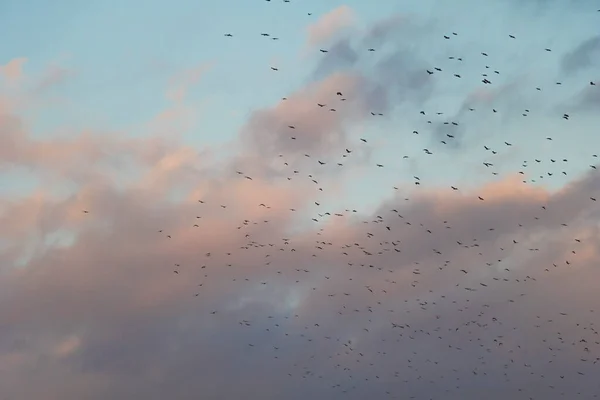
{"x": 148, "y": 268}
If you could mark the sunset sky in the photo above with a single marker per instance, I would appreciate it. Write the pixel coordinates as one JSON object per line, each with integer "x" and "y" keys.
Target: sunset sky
{"x": 125, "y": 124}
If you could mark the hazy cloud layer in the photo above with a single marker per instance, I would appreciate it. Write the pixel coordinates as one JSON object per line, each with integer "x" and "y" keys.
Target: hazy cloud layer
{"x": 146, "y": 268}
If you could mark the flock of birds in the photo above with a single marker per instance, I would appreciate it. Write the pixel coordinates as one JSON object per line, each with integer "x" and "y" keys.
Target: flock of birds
{"x": 368, "y": 289}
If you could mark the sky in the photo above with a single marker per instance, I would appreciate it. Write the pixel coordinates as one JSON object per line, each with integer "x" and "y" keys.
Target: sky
{"x": 187, "y": 214}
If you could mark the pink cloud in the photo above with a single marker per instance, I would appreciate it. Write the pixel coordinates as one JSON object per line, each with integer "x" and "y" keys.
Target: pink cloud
{"x": 117, "y": 279}
{"x": 180, "y": 83}
{"x": 316, "y": 129}
{"x": 328, "y": 25}
{"x": 13, "y": 70}
{"x": 89, "y": 154}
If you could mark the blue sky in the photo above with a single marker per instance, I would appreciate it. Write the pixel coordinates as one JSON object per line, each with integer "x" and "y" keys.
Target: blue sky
{"x": 122, "y": 55}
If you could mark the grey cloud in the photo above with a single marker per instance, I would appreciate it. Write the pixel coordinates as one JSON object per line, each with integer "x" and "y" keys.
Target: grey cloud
{"x": 403, "y": 75}
{"x": 585, "y": 55}
{"x": 395, "y": 73}
{"x": 395, "y": 78}
{"x": 340, "y": 56}
{"x": 589, "y": 98}
{"x": 143, "y": 331}
{"x": 298, "y": 126}
{"x": 474, "y": 127}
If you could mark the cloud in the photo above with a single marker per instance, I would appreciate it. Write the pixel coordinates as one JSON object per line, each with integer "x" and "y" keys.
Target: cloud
{"x": 67, "y": 347}
{"x": 507, "y": 97}
{"x": 189, "y": 269}
{"x": 588, "y": 99}
{"x": 110, "y": 305}
{"x": 61, "y": 156}
{"x": 89, "y": 154}
{"x": 184, "y": 80}
{"x": 394, "y": 74}
{"x": 394, "y": 79}
{"x": 13, "y": 70}
{"x": 585, "y": 55}
{"x": 317, "y": 130}
{"x": 105, "y": 312}
{"x": 54, "y": 76}
{"x": 330, "y": 24}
